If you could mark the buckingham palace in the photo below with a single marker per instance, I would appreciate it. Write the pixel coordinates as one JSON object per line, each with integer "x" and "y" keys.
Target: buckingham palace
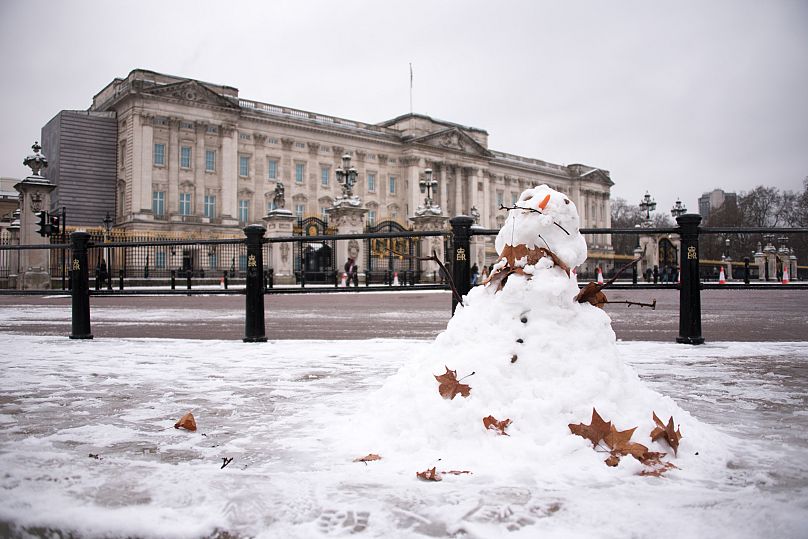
{"x": 174, "y": 156}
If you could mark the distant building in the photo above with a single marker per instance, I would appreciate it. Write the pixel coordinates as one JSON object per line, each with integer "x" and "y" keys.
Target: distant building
{"x": 714, "y": 200}
{"x": 171, "y": 154}
{"x": 9, "y": 200}
{"x": 81, "y": 150}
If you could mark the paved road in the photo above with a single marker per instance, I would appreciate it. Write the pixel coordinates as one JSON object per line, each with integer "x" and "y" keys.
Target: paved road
{"x": 727, "y": 315}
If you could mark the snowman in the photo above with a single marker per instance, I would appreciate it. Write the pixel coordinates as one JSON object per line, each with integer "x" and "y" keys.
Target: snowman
{"x": 522, "y": 366}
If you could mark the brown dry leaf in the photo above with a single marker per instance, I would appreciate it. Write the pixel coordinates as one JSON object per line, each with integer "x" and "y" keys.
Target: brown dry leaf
{"x": 655, "y": 466}
{"x": 617, "y": 439}
{"x": 491, "y": 423}
{"x": 429, "y": 475}
{"x": 595, "y": 431}
{"x": 612, "y": 461}
{"x": 666, "y": 432}
{"x": 592, "y": 294}
{"x": 186, "y": 422}
{"x": 450, "y": 386}
{"x": 368, "y": 458}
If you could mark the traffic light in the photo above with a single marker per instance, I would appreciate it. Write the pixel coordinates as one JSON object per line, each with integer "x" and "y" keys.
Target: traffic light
{"x": 44, "y": 226}
{"x": 54, "y": 225}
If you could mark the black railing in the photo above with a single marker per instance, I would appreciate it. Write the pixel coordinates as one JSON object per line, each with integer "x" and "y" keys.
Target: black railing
{"x": 243, "y": 266}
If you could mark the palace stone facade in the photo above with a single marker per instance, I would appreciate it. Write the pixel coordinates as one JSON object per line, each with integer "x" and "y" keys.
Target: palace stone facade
{"x": 195, "y": 157}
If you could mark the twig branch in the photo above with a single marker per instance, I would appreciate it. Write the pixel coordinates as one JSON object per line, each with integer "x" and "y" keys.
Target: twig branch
{"x": 449, "y": 279}
{"x": 639, "y": 304}
{"x": 503, "y": 207}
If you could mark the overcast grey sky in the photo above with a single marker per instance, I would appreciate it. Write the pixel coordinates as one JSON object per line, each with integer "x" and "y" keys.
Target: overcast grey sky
{"x": 676, "y": 97}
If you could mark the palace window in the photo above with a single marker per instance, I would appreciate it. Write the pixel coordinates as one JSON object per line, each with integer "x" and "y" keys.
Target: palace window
{"x": 160, "y": 155}
{"x": 324, "y": 173}
{"x": 323, "y": 213}
{"x": 185, "y": 203}
{"x": 186, "y": 125}
{"x": 185, "y": 157}
{"x": 210, "y": 206}
{"x": 514, "y": 198}
{"x": 160, "y": 260}
{"x": 392, "y": 185}
{"x": 300, "y": 171}
{"x": 244, "y": 165}
{"x": 300, "y": 209}
{"x": 500, "y": 199}
{"x": 210, "y": 160}
{"x": 159, "y": 203}
{"x": 272, "y": 169}
{"x": 372, "y": 182}
{"x": 243, "y": 210}
{"x": 372, "y": 217}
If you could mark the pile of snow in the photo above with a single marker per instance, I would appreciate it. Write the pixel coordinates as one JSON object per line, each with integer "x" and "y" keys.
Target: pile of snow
{"x": 540, "y": 359}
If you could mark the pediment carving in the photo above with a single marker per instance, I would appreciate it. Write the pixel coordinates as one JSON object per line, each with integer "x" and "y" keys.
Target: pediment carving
{"x": 453, "y": 139}
{"x": 191, "y": 91}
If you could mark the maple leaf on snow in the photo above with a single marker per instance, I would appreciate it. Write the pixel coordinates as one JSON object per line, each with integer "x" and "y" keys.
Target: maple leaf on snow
{"x": 491, "y": 423}
{"x": 596, "y": 431}
{"x": 186, "y": 422}
{"x": 666, "y": 431}
{"x": 429, "y": 475}
{"x": 450, "y": 386}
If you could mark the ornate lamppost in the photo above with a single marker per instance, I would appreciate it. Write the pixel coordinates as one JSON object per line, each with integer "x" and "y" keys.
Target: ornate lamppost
{"x": 647, "y": 204}
{"x": 677, "y": 210}
{"x": 427, "y": 184}
{"x": 346, "y": 176}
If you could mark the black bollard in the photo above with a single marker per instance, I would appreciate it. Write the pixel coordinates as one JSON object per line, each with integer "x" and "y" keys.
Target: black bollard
{"x": 80, "y": 286}
{"x": 173, "y": 279}
{"x": 690, "y": 289}
{"x": 634, "y": 274}
{"x": 254, "y": 327}
{"x": 188, "y": 279}
{"x": 461, "y": 270}
{"x": 224, "y": 278}
{"x": 120, "y": 279}
{"x": 656, "y": 274}
{"x": 746, "y": 270}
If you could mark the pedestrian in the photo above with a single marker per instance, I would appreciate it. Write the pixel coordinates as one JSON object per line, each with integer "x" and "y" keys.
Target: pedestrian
{"x": 475, "y": 273}
{"x": 484, "y": 274}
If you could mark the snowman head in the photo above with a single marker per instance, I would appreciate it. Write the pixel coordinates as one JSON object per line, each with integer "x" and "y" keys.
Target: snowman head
{"x": 544, "y": 217}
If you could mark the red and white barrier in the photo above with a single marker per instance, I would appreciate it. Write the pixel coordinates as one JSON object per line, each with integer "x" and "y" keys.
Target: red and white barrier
{"x": 600, "y": 276}
{"x": 785, "y": 275}
{"x": 395, "y": 278}
{"x": 344, "y": 281}
{"x": 721, "y": 278}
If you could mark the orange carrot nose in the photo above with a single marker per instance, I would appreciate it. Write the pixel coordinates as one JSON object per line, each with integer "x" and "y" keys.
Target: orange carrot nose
{"x": 544, "y": 202}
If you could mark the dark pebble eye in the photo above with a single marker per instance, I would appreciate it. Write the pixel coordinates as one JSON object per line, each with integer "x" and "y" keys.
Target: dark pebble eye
{"x": 566, "y": 201}
{"x": 524, "y": 319}
{"x": 520, "y": 341}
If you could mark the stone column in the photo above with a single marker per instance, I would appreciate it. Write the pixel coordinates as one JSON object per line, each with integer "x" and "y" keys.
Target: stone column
{"x": 412, "y": 166}
{"x": 199, "y": 168}
{"x": 471, "y": 189}
{"x": 486, "y": 220}
{"x": 348, "y": 220}
{"x": 229, "y": 176}
{"x": 458, "y": 207}
{"x": 444, "y": 189}
{"x": 279, "y": 223}
{"x": 430, "y": 271}
{"x": 34, "y": 264}
{"x": 142, "y": 173}
{"x": 173, "y": 167}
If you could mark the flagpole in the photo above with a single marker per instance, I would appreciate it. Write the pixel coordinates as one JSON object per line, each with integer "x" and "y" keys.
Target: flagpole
{"x": 410, "y": 87}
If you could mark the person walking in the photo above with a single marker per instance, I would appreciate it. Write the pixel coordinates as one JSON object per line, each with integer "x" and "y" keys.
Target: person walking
{"x": 475, "y": 274}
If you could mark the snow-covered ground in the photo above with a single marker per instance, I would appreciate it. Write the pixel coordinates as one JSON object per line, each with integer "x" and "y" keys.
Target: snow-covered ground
{"x": 278, "y": 410}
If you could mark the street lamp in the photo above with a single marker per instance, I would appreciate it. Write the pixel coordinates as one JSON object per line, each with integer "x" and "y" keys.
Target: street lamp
{"x": 107, "y": 229}
{"x": 346, "y": 176}
{"x": 427, "y": 184}
{"x": 678, "y": 209}
{"x": 647, "y": 204}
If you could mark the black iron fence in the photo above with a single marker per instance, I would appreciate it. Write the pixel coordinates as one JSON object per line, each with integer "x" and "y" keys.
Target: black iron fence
{"x": 98, "y": 264}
